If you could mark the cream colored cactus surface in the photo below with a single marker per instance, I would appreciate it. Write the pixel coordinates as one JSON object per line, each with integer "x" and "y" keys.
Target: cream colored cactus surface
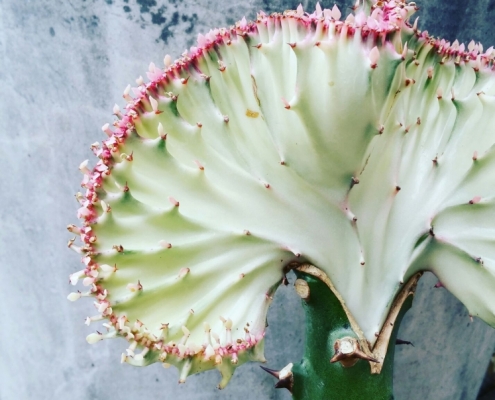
{"x": 358, "y": 144}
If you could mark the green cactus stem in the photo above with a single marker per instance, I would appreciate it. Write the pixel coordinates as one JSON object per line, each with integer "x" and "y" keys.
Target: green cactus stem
{"x": 362, "y": 146}
{"x": 328, "y": 369}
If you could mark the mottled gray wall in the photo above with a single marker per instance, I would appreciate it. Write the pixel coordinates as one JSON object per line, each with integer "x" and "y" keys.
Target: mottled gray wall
{"x": 63, "y": 64}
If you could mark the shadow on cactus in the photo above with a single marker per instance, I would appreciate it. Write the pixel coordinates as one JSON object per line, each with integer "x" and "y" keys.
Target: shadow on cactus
{"x": 356, "y": 151}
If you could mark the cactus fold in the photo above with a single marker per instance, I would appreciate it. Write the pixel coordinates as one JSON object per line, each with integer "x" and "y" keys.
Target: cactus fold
{"x": 361, "y": 146}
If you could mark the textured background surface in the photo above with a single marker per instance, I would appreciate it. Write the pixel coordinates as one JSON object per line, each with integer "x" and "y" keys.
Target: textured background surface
{"x": 63, "y": 64}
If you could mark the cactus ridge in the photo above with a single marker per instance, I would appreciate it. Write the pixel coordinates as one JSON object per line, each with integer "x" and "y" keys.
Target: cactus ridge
{"x": 363, "y": 146}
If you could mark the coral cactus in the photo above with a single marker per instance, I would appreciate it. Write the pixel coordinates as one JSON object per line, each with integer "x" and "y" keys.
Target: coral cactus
{"x": 361, "y": 146}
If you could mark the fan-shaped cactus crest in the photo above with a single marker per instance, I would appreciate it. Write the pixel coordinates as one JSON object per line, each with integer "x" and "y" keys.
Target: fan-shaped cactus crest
{"x": 359, "y": 145}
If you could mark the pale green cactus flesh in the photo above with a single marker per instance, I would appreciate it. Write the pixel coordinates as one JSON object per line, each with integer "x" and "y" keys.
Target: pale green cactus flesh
{"x": 363, "y": 147}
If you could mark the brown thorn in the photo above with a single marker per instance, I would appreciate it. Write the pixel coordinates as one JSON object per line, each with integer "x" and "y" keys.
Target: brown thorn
{"x": 272, "y": 372}
{"x": 285, "y": 383}
{"x": 363, "y": 356}
{"x": 400, "y": 341}
{"x": 348, "y": 352}
{"x": 284, "y": 376}
{"x": 337, "y": 357}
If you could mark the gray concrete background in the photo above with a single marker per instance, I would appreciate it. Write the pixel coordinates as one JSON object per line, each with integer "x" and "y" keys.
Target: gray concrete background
{"x": 63, "y": 64}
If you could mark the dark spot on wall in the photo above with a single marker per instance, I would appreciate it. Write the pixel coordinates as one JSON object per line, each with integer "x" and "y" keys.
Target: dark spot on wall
{"x": 52, "y": 32}
{"x": 146, "y": 5}
{"x": 166, "y": 32}
{"x": 127, "y": 9}
{"x": 491, "y": 5}
{"x": 192, "y": 21}
{"x": 230, "y": 21}
{"x": 91, "y": 23}
{"x": 158, "y": 18}
{"x": 174, "y": 1}
{"x": 108, "y": 1}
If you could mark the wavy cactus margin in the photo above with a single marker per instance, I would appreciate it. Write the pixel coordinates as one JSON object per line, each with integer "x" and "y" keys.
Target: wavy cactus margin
{"x": 356, "y": 152}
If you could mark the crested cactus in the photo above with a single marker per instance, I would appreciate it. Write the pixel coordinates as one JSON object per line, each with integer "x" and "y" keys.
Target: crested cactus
{"x": 356, "y": 151}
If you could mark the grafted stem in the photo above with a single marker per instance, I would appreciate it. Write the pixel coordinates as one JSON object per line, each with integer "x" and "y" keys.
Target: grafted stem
{"x": 328, "y": 326}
